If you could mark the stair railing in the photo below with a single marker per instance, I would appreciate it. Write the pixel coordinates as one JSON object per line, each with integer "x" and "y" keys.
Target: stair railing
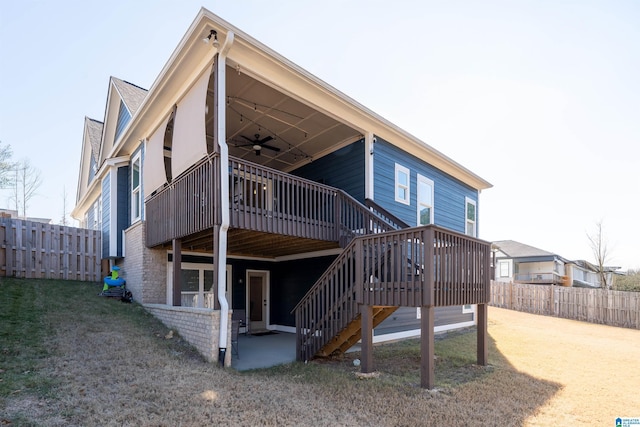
{"x": 420, "y": 266}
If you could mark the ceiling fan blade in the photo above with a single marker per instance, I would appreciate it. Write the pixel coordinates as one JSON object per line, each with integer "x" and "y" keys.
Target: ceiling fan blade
{"x": 265, "y": 139}
{"x": 248, "y": 139}
{"x": 270, "y": 147}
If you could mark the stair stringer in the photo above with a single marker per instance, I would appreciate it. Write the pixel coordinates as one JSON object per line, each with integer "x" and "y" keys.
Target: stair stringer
{"x": 350, "y": 335}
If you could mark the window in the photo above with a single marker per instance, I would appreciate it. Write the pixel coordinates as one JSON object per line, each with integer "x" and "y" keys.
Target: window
{"x": 470, "y": 215}
{"x": 197, "y": 286}
{"x": 403, "y": 189}
{"x": 504, "y": 269}
{"x": 97, "y": 215}
{"x": 136, "y": 194}
{"x": 425, "y": 200}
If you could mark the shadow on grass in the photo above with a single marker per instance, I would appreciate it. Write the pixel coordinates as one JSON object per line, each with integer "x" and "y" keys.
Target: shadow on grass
{"x": 464, "y": 391}
{"x": 35, "y": 315}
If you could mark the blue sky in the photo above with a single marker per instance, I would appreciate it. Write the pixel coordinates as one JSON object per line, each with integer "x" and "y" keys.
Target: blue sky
{"x": 541, "y": 98}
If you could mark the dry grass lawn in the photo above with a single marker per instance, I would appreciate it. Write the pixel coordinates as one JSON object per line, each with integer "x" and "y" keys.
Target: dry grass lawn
{"x": 597, "y": 366}
{"x": 109, "y": 364}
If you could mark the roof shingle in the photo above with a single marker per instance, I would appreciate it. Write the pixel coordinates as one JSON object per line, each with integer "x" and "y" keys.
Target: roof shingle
{"x": 132, "y": 95}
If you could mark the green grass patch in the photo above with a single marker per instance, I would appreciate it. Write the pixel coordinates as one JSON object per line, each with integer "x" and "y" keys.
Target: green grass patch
{"x": 24, "y": 332}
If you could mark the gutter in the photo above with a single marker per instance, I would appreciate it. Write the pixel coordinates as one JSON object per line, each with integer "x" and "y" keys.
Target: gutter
{"x": 224, "y": 184}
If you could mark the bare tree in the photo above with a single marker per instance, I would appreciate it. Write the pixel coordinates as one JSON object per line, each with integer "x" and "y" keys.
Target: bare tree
{"x": 600, "y": 251}
{"x": 25, "y": 186}
{"x": 64, "y": 220}
{"x": 6, "y": 166}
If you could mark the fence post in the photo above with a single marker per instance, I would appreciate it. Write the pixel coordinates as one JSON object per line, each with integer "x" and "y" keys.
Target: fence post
{"x": 510, "y": 306}
{"x": 552, "y": 303}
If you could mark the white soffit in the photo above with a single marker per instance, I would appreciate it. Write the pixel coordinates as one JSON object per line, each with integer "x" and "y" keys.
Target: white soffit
{"x": 153, "y": 173}
{"x": 189, "y": 136}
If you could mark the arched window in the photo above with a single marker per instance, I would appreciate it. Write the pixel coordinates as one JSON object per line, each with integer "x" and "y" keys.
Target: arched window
{"x": 168, "y": 145}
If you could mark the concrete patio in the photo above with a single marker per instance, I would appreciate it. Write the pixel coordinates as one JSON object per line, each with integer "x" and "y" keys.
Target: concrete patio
{"x": 264, "y": 351}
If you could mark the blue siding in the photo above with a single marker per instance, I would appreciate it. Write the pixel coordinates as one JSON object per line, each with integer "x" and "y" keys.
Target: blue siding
{"x": 123, "y": 194}
{"x": 106, "y": 208}
{"x": 449, "y": 193}
{"x": 123, "y": 120}
{"x": 90, "y": 217}
{"x": 342, "y": 169}
{"x": 92, "y": 168}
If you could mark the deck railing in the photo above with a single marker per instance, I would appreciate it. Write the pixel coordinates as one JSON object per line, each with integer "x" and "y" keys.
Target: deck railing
{"x": 422, "y": 266}
{"x": 540, "y": 278}
{"x": 381, "y": 212}
{"x": 261, "y": 199}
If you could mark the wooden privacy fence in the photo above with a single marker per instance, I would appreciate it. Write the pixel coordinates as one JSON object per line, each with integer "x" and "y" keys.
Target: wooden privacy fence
{"x": 34, "y": 250}
{"x": 614, "y": 308}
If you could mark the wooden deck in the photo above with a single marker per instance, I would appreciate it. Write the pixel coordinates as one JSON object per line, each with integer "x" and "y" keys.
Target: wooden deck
{"x": 381, "y": 268}
{"x": 422, "y": 267}
{"x": 261, "y": 200}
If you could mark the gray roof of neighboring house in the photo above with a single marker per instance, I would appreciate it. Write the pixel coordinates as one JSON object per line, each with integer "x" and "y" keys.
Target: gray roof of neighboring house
{"x": 514, "y": 249}
{"x": 132, "y": 95}
{"x": 94, "y": 130}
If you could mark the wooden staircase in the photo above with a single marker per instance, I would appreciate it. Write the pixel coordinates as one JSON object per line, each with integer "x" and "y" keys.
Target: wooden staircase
{"x": 424, "y": 266}
{"x": 352, "y": 333}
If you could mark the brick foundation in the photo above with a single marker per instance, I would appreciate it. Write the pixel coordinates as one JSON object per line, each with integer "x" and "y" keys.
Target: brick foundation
{"x": 145, "y": 271}
{"x": 199, "y": 327}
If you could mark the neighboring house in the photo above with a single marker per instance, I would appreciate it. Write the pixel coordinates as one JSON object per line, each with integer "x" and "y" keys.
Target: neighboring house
{"x": 520, "y": 263}
{"x": 583, "y": 274}
{"x": 239, "y": 180}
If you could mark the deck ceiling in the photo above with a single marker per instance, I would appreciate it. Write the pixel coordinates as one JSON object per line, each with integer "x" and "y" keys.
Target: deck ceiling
{"x": 300, "y": 132}
{"x": 256, "y": 244}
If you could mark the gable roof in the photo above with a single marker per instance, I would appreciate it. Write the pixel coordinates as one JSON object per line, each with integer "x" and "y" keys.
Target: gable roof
{"x": 132, "y": 95}
{"x": 93, "y": 129}
{"x": 282, "y": 83}
{"x": 513, "y": 249}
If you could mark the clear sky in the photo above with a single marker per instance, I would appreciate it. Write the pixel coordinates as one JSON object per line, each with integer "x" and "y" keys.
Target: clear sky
{"x": 540, "y": 98}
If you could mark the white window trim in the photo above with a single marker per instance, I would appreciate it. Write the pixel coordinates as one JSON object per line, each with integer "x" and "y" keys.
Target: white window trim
{"x": 468, "y": 201}
{"x": 422, "y": 178}
{"x": 400, "y": 168}
{"x": 136, "y": 193}
{"x": 503, "y": 263}
{"x": 96, "y": 217}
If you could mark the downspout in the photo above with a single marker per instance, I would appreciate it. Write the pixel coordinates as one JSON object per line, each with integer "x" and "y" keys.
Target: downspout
{"x": 224, "y": 190}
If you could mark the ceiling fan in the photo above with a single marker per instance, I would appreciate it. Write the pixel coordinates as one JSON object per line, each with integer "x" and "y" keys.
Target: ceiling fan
{"x": 258, "y": 144}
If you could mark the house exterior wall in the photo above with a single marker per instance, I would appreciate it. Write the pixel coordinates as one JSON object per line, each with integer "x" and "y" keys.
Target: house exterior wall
{"x": 144, "y": 269}
{"x": 140, "y": 150}
{"x": 123, "y": 206}
{"x": 449, "y": 193}
{"x": 587, "y": 277}
{"x": 123, "y": 119}
{"x": 90, "y": 218}
{"x": 504, "y": 270}
{"x": 342, "y": 169}
{"x": 199, "y": 327}
{"x": 536, "y": 267}
{"x": 106, "y": 217}
{"x": 289, "y": 282}
{"x": 405, "y": 319}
